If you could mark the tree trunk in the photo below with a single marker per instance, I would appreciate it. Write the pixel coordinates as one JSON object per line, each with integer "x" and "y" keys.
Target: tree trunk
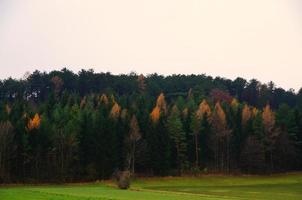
{"x": 133, "y": 159}
{"x": 196, "y": 150}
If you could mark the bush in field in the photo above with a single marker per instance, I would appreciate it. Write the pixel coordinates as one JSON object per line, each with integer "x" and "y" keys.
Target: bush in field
{"x": 123, "y": 179}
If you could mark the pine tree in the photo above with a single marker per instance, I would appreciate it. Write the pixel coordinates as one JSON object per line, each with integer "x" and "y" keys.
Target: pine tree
{"x": 177, "y": 135}
{"x": 7, "y": 150}
{"x": 287, "y": 142}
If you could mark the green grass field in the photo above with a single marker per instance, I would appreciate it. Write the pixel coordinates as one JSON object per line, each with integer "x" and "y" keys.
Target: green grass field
{"x": 285, "y": 187}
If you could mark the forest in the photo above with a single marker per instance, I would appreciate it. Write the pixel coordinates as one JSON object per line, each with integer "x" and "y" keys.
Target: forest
{"x": 62, "y": 126}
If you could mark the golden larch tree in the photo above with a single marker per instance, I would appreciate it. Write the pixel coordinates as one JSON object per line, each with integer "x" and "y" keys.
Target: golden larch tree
{"x": 34, "y": 123}
{"x": 220, "y": 116}
{"x": 271, "y": 133}
{"x": 124, "y": 114}
{"x": 115, "y": 111}
{"x": 8, "y": 109}
{"x": 155, "y": 114}
{"x": 268, "y": 117}
{"x": 104, "y": 99}
{"x": 160, "y": 108}
{"x": 203, "y": 109}
{"x": 221, "y": 139}
{"x": 255, "y": 111}
{"x": 185, "y": 113}
{"x": 234, "y": 103}
{"x": 246, "y": 115}
{"x": 161, "y": 103}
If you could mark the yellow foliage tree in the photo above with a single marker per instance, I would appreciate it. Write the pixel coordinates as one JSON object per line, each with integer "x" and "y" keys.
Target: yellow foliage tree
{"x": 112, "y": 98}
{"x": 34, "y": 123}
{"x": 104, "y": 99}
{"x": 221, "y": 139}
{"x": 185, "y": 113}
{"x": 203, "y": 109}
{"x": 268, "y": 117}
{"x": 220, "y": 118}
{"x": 8, "y": 109}
{"x": 161, "y": 107}
{"x": 271, "y": 134}
{"x": 234, "y": 103}
{"x": 255, "y": 111}
{"x": 246, "y": 115}
{"x": 124, "y": 113}
{"x": 161, "y": 103}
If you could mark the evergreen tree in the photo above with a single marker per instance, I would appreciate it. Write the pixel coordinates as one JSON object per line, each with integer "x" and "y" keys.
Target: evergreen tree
{"x": 178, "y": 138}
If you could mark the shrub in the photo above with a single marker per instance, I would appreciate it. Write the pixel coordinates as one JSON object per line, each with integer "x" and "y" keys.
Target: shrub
{"x": 123, "y": 180}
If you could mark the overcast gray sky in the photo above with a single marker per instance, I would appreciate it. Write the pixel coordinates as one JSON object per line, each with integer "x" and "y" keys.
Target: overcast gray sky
{"x": 248, "y": 38}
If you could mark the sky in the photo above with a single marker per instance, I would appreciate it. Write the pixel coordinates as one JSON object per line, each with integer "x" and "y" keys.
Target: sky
{"x": 259, "y": 39}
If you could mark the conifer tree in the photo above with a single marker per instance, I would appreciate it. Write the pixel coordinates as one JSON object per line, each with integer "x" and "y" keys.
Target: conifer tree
{"x": 178, "y": 138}
{"x": 7, "y": 150}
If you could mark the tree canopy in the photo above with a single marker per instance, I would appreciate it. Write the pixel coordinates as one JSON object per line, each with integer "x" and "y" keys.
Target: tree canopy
{"x": 62, "y": 126}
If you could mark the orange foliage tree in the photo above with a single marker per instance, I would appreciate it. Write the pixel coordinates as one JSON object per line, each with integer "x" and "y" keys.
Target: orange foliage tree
{"x": 160, "y": 108}
{"x": 221, "y": 139}
{"x": 268, "y": 118}
{"x": 271, "y": 133}
{"x": 34, "y": 123}
{"x": 202, "y": 111}
{"x": 115, "y": 111}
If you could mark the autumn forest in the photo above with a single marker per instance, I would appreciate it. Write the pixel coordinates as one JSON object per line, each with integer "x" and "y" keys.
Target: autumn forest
{"x": 63, "y": 126}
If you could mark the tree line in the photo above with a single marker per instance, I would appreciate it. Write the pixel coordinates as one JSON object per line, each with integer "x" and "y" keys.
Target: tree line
{"x": 62, "y": 126}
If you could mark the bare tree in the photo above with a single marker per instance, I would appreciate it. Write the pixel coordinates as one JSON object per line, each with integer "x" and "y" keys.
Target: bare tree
{"x": 134, "y": 136}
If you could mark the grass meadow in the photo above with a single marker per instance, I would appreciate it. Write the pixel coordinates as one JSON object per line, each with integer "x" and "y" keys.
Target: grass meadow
{"x": 283, "y": 187}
